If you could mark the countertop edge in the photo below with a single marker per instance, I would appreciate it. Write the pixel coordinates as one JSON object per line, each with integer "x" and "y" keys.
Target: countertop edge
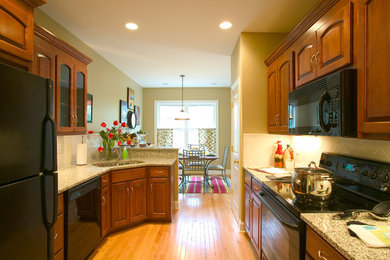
{"x": 102, "y": 170}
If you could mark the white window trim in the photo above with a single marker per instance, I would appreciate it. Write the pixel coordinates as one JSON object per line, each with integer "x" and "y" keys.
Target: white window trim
{"x": 189, "y": 102}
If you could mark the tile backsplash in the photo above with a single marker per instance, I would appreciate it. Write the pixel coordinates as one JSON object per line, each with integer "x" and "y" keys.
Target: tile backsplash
{"x": 259, "y": 148}
{"x": 66, "y": 150}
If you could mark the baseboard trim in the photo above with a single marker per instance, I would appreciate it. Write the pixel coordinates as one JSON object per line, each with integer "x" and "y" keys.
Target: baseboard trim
{"x": 242, "y": 227}
{"x": 176, "y": 204}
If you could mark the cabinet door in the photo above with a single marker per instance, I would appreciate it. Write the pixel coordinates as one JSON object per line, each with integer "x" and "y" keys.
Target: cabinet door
{"x": 64, "y": 94}
{"x": 44, "y": 62}
{"x": 16, "y": 33}
{"x": 256, "y": 223}
{"x": 159, "y": 202}
{"x": 248, "y": 202}
{"x": 272, "y": 96}
{"x": 105, "y": 210}
{"x": 304, "y": 60}
{"x": 334, "y": 41}
{"x": 80, "y": 98}
{"x": 285, "y": 85}
{"x": 120, "y": 201}
{"x": 373, "y": 62}
{"x": 138, "y": 200}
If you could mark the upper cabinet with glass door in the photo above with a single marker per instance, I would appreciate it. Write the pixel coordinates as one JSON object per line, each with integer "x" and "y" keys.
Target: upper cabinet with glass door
{"x": 70, "y": 77}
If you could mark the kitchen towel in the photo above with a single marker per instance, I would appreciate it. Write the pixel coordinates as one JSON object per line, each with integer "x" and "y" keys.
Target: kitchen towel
{"x": 81, "y": 154}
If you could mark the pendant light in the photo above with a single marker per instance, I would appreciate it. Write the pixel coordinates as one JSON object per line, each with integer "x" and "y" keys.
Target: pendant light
{"x": 182, "y": 115}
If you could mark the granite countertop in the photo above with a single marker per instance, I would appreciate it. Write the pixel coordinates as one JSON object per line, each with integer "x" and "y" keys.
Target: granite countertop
{"x": 73, "y": 176}
{"x": 335, "y": 232}
{"x": 260, "y": 176}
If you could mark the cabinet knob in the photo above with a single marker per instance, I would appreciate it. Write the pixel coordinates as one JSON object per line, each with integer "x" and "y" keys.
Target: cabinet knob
{"x": 151, "y": 188}
{"x": 55, "y": 236}
{"x": 128, "y": 192}
{"x": 104, "y": 201}
{"x": 321, "y": 255}
{"x": 132, "y": 189}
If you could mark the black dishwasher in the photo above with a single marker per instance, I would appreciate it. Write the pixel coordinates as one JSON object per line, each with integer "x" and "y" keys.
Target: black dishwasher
{"x": 82, "y": 220}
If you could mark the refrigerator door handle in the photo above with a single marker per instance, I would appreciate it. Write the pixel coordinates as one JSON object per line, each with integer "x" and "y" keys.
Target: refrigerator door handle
{"x": 49, "y": 212}
{"x": 49, "y": 154}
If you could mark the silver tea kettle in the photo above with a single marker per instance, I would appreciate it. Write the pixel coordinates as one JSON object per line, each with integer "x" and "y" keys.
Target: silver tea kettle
{"x": 312, "y": 183}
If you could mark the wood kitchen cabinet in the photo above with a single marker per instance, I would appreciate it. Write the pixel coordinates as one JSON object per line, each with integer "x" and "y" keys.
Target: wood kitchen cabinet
{"x": 59, "y": 230}
{"x": 327, "y": 48}
{"x": 373, "y": 63}
{"x": 318, "y": 248}
{"x": 16, "y": 32}
{"x": 105, "y": 204}
{"x": 120, "y": 205}
{"x": 248, "y": 209}
{"x": 159, "y": 199}
{"x": 280, "y": 83}
{"x": 253, "y": 213}
{"x": 67, "y": 67}
{"x": 138, "y": 200}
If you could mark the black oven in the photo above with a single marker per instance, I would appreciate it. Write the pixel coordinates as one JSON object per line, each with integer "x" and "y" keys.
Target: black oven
{"x": 325, "y": 107}
{"x": 282, "y": 233}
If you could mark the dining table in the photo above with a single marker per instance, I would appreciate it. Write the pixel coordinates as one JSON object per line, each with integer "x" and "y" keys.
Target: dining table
{"x": 208, "y": 159}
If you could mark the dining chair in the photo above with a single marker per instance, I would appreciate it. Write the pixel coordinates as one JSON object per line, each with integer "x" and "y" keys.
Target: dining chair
{"x": 220, "y": 167}
{"x": 194, "y": 164}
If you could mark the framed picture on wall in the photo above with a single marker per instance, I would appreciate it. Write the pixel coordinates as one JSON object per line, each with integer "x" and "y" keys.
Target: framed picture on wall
{"x": 123, "y": 111}
{"x": 130, "y": 98}
{"x": 137, "y": 111}
{"x": 89, "y": 108}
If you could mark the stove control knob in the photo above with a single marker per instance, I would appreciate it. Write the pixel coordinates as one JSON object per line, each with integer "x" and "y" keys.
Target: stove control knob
{"x": 328, "y": 163}
{"x": 383, "y": 176}
{"x": 373, "y": 174}
{"x": 365, "y": 173}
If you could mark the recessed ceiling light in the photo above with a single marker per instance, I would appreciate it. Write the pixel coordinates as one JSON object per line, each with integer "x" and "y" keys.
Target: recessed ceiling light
{"x": 132, "y": 26}
{"x": 225, "y": 25}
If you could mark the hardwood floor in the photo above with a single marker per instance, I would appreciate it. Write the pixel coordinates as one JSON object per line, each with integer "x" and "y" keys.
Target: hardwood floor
{"x": 203, "y": 228}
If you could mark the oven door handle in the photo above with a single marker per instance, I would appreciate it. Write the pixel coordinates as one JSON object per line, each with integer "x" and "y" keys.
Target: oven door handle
{"x": 323, "y": 98}
{"x": 280, "y": 218}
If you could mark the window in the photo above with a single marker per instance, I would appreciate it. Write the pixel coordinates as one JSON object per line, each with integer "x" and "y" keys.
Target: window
{"x": 200, "y": 129}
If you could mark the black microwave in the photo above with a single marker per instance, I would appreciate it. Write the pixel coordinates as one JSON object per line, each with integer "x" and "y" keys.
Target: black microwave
{"x": 327, "y": 106}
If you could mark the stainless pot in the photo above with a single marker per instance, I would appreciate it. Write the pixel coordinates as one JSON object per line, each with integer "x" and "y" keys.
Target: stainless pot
{"x": 312, "y": 183}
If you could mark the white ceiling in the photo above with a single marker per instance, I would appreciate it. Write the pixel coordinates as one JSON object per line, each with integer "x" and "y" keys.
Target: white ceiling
{"x": 174, "y": 36}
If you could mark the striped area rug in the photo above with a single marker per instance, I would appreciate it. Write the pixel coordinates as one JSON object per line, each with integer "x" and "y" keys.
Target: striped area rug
{"x": 196, "y": 186}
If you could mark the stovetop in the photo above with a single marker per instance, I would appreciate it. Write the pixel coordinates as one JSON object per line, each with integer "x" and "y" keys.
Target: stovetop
{"x": 359, "y": 184}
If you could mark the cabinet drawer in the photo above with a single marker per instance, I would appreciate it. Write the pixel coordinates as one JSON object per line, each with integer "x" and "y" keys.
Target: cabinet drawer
{"x": 127, "y": 175}
{"x": 158, "y": 172}
{"x": 60, "y": 204}
{"x": 318, "y": 248}
{"x": 256, "y": 186}
{"x": 248, "y": 179}
{"x": 59, "y": 234}
{"x": 105, "y": 180}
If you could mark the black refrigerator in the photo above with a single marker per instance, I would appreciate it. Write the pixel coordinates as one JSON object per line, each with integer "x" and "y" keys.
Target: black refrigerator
{"x": 28, "y": 165}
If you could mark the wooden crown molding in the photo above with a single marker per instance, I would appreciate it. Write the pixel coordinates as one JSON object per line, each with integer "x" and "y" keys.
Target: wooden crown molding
{"x": 313, "y": 16}
{"x": 60, "y": 44}
{"x": 35, "y": 3}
